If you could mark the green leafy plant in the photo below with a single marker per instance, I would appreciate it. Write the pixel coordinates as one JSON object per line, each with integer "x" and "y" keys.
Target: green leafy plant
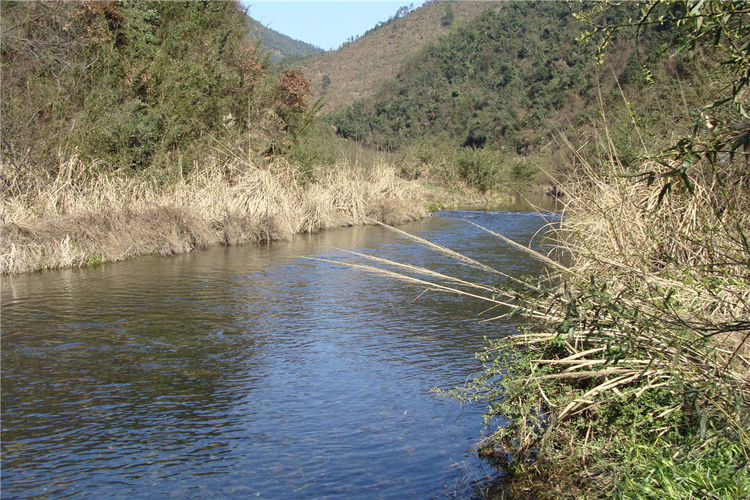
{"x": 718, "y": 29}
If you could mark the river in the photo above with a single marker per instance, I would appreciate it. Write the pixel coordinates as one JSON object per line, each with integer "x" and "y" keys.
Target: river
{"x": 252, "y": 371}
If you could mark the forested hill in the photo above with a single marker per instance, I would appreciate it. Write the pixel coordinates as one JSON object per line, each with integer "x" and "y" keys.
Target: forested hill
{"x": 505, "y": 80}
{"x": 360, "y": 67}
{"x": 280, "y": 46}
{"x": 494, "y": 82}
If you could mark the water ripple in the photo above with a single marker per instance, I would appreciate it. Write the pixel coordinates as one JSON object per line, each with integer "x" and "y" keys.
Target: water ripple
{"x": 247, "y": 371}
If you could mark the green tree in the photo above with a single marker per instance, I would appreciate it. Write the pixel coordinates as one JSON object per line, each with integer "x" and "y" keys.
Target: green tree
{"x": 447, "y": 19}
{"x": 720, "y": 30}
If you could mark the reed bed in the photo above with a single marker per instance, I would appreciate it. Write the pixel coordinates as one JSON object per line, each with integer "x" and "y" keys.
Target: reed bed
{"x": 631, "y": 374}
{"x": 88, "y": 215}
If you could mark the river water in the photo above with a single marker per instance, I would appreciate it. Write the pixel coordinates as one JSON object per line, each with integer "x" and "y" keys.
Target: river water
{"x": 252, "y": 371}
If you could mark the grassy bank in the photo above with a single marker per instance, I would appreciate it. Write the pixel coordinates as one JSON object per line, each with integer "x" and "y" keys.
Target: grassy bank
{"x": 632, "y": 377}
{"x": 88, "y": 215}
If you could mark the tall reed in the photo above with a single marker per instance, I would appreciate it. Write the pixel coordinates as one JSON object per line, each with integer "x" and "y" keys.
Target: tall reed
{"x": 89, "y": 215}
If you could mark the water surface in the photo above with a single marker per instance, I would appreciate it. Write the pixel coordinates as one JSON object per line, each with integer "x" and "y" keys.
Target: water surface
{"x": 251, "y": 371}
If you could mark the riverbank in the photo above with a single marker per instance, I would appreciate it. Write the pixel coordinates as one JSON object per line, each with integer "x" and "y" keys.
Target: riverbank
{"x": 632, "y": 375}
{"x": 88, "y": 216}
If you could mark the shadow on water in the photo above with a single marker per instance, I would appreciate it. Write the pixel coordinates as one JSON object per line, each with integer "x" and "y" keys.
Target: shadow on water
{"x": 249, "y": 371}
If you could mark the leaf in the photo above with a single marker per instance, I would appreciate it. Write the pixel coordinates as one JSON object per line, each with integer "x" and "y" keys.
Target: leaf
{"x": 696, "y": 9}
{"x": 667, "y": 188}
{"x": 637, "y": 174}
{"x": 692, "y": 158}
{"x": 718, "y": 103}
{"x": 743, "y": 141}
{"x": 676, "y": 171}
{"x": 688, "y": 183}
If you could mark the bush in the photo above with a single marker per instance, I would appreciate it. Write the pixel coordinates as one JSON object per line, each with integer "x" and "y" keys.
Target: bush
{"x": 479, "y": 167}
{"x": 524, "y": 172}
{"x": 128, "y": 82}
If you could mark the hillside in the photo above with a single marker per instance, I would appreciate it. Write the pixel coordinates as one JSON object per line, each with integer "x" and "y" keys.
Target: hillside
{"x": 278, "y": 45}
{"x": 358, "y": 69}
{"x": 133, "y": 128}
{"x": 507, "y": 80}
{"x": 135, "y": 85}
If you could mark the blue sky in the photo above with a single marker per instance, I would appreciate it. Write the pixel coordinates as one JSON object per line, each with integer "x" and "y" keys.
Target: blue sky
{"x": 325, "y": 24}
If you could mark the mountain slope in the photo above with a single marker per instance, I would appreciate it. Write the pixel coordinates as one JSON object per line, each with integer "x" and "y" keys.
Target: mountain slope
{"x": 507, "y": 80}
{"x": 280, "y": 46}
{"x": 501, "y": 75}
{"x": 358, "y": 69}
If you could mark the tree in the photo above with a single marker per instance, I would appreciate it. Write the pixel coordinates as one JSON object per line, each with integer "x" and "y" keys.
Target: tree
{"x": 291, "y": 96}
{"x": 722, "y": 30}
{"x": 447, "y": 19}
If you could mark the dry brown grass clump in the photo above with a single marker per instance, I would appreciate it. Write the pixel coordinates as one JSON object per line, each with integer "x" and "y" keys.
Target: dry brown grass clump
{"x": 652, "y": 242}
{"x": 87, "y": 215}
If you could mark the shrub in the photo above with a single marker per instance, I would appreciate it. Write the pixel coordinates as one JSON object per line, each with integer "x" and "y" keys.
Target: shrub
{"x": 128, "y": 82}
{"x": 479, "y": 167}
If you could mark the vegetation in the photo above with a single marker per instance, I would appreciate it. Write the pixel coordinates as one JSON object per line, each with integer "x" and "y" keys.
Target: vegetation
{"x": 634, "y": 365}
{"x": 630, "y": 376}
{"x": 86, "y": 216}
{"x": 401, "y": 12}
{"x": 359, "y": 68}
{"x": 281, "y": 48}
{"x": 721, "y": 30}
{"x": 631, "y": 379}
{"x": 483, "y": 84}
{"x": 155, "y": 127}
{"x": 133, "y": 84}
{"x": 483, "y": 87}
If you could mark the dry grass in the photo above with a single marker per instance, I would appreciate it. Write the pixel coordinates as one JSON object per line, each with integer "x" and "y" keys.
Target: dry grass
{"x": 87, "y": 215}
{"x": 681, "y": 265}
{"x": 657, "y": 301}
{"x": 692, "y": 247}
